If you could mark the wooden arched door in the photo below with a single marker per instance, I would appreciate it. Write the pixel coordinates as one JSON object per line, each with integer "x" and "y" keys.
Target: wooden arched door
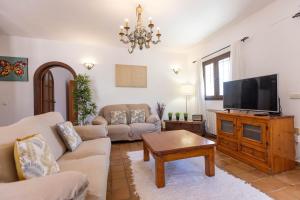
{"x": 44, "y": 100}
{"x": 48, "y": 98}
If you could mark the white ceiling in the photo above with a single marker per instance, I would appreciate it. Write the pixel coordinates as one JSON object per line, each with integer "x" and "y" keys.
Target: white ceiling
{"x": 182, "y": 22}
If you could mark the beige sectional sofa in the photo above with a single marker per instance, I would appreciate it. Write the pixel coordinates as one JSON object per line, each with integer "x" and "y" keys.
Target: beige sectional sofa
{"x": 83, "y": 172}
{"x": 130, "y": 131}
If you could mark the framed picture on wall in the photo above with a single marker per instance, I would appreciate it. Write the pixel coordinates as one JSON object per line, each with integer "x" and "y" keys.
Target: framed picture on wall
{"x": 131, "y": 76}
{"x": 13, "y": 68}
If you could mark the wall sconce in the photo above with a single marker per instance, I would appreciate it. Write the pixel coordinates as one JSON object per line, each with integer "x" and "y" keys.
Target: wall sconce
{"x": 89, "y": 66}
{"x": 175, "y": 69}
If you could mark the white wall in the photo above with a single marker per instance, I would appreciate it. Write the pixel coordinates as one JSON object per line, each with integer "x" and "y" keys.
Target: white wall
{"x": 61, "y": 78}
{"x": 273, "y": 47}
{"x": 16, "y": 100}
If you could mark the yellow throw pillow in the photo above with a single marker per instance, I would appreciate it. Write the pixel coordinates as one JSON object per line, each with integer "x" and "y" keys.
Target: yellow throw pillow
{"x": 33, "y": 157}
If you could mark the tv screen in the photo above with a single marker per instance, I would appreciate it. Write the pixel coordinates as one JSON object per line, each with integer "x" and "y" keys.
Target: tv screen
{"x": 258, "y": 93}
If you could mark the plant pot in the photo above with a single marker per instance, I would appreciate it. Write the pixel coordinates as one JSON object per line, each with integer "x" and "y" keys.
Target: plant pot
{"x": 177, "y": 118}
{"x": 185, "y": 118}
{"x": 170, "y": 118}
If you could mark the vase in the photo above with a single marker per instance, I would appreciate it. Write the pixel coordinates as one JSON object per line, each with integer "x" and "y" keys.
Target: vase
{"x": 185, "y": 118}
{"x": 177, "y": 118}
{"x": 170, "y": 118}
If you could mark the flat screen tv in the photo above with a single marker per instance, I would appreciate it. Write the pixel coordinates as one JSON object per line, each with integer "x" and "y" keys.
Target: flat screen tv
{"x": 259, "y": 94}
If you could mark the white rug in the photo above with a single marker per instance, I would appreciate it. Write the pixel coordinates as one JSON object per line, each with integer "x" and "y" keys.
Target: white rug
{"x": 186, "y": 180}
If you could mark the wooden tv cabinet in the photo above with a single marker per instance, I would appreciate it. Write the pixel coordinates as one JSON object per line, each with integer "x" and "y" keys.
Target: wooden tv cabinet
{"x": 267, "y": 143}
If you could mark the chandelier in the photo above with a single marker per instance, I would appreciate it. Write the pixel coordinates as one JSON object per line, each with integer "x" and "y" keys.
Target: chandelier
{"x": 140, "y": 36}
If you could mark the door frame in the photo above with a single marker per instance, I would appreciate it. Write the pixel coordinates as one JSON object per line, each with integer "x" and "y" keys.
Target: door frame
{"x": 37, "y": 82}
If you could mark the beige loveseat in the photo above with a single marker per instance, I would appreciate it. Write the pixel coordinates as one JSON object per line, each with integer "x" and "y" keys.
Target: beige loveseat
{"x": 82, "y": 172}
{"x": 128, "y": 131}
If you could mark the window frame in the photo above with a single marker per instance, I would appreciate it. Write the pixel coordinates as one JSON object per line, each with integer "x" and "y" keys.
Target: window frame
{"x": 215, "y": 62}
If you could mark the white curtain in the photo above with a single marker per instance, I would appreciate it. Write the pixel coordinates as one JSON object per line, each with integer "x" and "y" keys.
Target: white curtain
{"x": 236, "y": 58}
{"x": 200, "y": 89}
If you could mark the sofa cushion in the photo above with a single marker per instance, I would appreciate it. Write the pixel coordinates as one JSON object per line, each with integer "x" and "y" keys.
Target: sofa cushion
{"x": 137, "y": 116}
{"x": 34, "y": 158}
{"x": 66, "y": 185}
{"x": 144, "y": 107}
{"x": 96, "y": 168}
{"x": 44, "y": 124}
{"x": 91, "y": 132}
{"x": 106, "y": 110}
{"x": 119, "y": 132}
{"x": 87, "y": 148}
{"x": 118, "y": 117}
{"x": 70, "y": 137}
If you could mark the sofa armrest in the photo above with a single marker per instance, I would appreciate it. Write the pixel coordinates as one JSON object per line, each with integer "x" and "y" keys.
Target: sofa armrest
{"x": 154, "y": 119}
{"x": 90, "y": 132}
{"x": 99, "y": 120}
{"x": 65, "y": 185}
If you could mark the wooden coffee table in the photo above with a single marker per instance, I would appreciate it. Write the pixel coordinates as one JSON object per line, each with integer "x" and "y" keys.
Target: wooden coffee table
{"x": 175, "y": 145}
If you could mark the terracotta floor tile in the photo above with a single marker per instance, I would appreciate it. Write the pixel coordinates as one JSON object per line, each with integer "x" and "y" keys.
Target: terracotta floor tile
{"x": 122, "y": 194}
{"x": 116, "y": 168}
{"x": 119, "y": 184}
{"x": 269, "y": 184}
{"x": 235, "y": 170}
{"x": 118, "y": 175}
{"x": 116, "y": 162}
{"x": 252, "y": 175}
{"x": 291, "y": 177}
{"x": 287, "y": 193}
{"x": 220, "y": 156}
{"x": 244, "y": 166}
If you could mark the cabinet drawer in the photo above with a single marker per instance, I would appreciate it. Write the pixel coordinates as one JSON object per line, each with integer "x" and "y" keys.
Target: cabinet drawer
{"x": 256, "y": 153}
{"x": 173, "y": 126}
{"x": 233, "y": 146}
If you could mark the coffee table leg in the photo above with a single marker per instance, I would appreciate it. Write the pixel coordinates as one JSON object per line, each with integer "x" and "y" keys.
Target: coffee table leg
{"x": 210, "y": 163}
{"x": 146, "y": 152}
{"x": 159, "y": 172}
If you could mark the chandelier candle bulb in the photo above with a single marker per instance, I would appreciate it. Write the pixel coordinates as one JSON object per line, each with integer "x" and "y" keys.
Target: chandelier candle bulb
{"x": 126, "y": 22}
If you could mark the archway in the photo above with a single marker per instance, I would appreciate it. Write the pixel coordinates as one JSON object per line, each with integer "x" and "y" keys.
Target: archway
{"x": 38, "y": 82}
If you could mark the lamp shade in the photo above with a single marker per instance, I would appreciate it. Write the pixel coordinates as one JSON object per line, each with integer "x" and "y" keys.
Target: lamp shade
{"x": 187, "y": 90}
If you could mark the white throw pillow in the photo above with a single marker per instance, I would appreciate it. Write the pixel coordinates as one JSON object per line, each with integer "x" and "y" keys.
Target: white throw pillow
{"x": 70, "y": 137}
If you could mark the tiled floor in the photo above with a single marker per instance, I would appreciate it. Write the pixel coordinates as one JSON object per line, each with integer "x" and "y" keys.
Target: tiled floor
{"x": 285, "y": 186}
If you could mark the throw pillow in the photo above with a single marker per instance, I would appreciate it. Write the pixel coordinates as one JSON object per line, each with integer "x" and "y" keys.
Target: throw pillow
{"x": 33, "y": 157}
{"x": 137, "y": 116}
{"x": 118, "y": 117}
{"x": 70, "y": 137}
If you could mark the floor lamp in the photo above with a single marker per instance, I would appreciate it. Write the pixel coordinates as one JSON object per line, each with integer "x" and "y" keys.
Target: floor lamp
{"x": 187, "y": 90}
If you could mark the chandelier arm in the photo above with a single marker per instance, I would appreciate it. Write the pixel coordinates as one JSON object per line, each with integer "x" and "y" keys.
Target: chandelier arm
{"x": 156, "y": 42}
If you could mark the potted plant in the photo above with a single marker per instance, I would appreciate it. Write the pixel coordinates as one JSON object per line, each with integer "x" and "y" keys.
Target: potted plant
{"x": 177, "y": 115}
{"x": 170, "y": 115}
{"x": 82, "y": 94}
{"x": 185, "y": 115}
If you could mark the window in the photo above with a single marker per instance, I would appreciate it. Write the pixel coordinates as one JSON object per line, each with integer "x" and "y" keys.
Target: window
{"x": 215, "y": 72}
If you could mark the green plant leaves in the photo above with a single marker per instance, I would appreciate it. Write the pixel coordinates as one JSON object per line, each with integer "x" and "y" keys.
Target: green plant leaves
{"x": 83, "y": 104}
